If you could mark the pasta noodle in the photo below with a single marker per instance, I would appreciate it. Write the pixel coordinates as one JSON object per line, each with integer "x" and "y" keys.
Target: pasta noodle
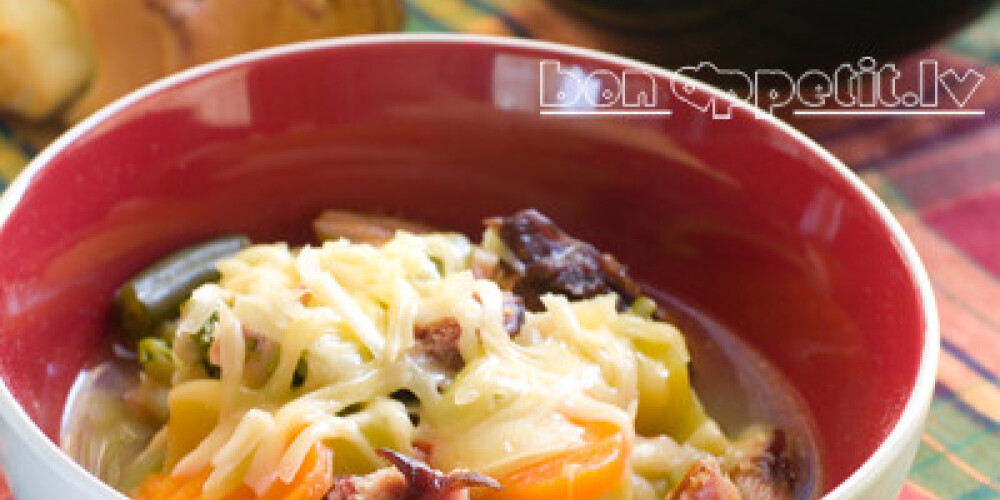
{"x": 337, "y": 345}
{"x": 574, "y": 360}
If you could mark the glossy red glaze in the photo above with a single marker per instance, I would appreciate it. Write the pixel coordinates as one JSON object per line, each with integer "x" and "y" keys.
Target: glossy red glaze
{"x": 735, "y": 216}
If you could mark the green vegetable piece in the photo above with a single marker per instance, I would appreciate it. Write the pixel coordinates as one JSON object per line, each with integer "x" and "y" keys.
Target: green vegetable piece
{"x": 203, "y": 341}
{"x": 301, "y": 369}
{"x": 438, "y": 264}
{"x": 272, "y": 365}
{"x": 644, "y": 307}
{"x": 156, "y": 359}
{"x": 155, "y": 295}
{"x": 351, "y": 409}
{"x": 203, "y": 337}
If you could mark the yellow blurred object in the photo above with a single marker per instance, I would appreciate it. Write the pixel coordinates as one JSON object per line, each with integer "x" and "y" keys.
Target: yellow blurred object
{"x": 137, "y": 41}
{"x": 11, "y": 160}
{"x": 43, "y": 56}
{"x": 94, "y": 51}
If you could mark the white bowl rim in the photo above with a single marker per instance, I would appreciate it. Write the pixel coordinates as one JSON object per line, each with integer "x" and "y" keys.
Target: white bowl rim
{"x": 910, "y": 420}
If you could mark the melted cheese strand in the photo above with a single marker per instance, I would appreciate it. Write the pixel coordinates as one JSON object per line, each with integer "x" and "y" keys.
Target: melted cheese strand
{"x": 347, "y": 314}
{"x": 326, "y": 288}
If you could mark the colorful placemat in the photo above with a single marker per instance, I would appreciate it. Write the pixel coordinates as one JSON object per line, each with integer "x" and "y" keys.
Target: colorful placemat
{"x": 940, "y": 176}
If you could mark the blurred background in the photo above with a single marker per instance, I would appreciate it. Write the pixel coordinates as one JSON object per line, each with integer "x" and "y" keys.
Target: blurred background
{"x": 60, "y": 60}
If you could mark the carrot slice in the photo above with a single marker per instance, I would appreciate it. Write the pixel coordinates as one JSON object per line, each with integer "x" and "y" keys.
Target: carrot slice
{"x": 582, "y": 473}
{"x": 313, "y": 480}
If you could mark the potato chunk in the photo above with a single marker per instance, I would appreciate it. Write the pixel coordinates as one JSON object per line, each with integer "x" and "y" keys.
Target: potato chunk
{"x": 44, "y": 59}
{"x": 138, "y": 41}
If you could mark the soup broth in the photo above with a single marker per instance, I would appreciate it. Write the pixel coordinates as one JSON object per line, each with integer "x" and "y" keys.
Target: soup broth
{"x": 570, "y": 382}
{"x": 740, "y": 389}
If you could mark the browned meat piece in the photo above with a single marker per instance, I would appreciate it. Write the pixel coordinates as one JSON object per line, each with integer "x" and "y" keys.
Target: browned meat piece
{"x": 362, "y": 228}
{"x": 410, "y": 479}
{"x": 423, "y": 482}
{"x": 550, "y": 261}
{"x": 771, "y": 475}
{"x": 438, "y": 342}
{"x": 755, "y": 487}
{"x": 704, "y": 481}
{"x": 383, "y": 484}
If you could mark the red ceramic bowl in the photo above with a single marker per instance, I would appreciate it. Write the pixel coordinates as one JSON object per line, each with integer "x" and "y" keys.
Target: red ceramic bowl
{"x": 745, "y": 219}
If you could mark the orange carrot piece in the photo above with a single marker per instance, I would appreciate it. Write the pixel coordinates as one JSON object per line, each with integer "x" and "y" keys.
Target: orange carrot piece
{"x": 582, "y": 473}
{"x": 313, "y": 480}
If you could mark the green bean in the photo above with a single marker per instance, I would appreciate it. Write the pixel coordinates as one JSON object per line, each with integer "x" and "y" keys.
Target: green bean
{"x": 155, "y": 295}
{"x": 644, "y": 307}
{"x": 156, "y": 359}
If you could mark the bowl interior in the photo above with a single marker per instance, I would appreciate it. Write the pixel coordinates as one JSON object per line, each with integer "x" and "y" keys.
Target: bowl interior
{"x": 737, "y": 217}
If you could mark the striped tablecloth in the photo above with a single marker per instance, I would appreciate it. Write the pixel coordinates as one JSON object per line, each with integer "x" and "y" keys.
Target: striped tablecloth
{"x": 940, "y": 176}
